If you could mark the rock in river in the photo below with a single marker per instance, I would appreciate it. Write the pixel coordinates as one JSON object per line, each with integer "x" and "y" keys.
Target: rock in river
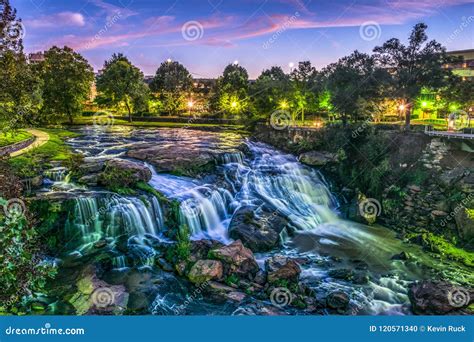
{"x": 205, "y": 270}
{"x": 236, "y": 258}
{"x": 259, "y": 233}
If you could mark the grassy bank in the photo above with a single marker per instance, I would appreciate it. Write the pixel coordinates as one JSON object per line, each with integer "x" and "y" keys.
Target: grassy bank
{"x": 13, "y": 137}
{"x": 30, "y": 164}
{"x": 107, "y": 121}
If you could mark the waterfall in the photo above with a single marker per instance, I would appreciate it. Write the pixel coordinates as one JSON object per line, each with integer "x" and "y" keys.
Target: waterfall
{"x": 94, "y": 218}
{"x": 57, "y": 174}
{"x": 205, "y": 212}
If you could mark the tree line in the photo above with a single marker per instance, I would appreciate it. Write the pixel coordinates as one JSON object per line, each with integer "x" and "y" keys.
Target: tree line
{"x": 360, "y": 86}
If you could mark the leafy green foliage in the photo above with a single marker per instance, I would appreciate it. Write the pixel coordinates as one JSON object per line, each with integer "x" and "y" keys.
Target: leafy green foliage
{"x": 416, "y": 65}
{"x": 22, "y": 273}
{"x": 122, "y": 83}
{"x": 67, "y": 79}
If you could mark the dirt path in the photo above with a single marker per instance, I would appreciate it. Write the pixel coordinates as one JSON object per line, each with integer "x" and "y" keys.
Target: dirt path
{"x": 41, "y": 138}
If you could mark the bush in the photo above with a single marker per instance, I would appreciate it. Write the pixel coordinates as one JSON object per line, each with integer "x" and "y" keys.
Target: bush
{"x": 22, "y": 272}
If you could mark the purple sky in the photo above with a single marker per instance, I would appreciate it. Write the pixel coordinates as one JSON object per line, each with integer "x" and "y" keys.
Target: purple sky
{"x": 206, "y": 35}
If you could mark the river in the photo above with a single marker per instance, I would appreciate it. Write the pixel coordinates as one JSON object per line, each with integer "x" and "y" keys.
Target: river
{"x": 260, "y": 177}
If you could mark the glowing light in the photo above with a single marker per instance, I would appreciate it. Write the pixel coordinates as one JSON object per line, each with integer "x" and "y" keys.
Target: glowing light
{"x": 291, "y": 64}
{"x": 283, "y": 104}
{"x": 424, "y": 104}
{"x": 169, "y": 60}
{"x": 190, "y": 104}
{"x": 401, "y": 107}
{"x": 236, "y": 62}
{"x": 233, "y": 104}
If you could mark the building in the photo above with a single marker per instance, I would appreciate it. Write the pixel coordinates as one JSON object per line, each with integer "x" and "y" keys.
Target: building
{"x": 465, "y": 67}
{"x": 36, "y": 57}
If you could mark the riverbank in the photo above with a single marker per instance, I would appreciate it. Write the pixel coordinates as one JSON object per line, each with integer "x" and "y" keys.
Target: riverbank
{"x": 191, "y": 123}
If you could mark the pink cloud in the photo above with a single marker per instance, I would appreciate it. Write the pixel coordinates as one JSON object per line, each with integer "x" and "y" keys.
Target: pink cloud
{"x": 57, "y": 20}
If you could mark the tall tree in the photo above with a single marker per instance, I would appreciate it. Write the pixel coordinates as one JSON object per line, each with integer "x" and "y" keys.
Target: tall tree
{"x": 120, "y": 82}
{"x": 20, "y": 91}
{"x": 172, "y": 80}
{"x": 305, "y": 89}
{"x": 231, "y": 91}
{"x": 414, "y": 66}
{"x": 270, "y": 91}
{"x": 11, "y": 29}
{"x": 352, "y": 79}
{"x": 67, "y": 80}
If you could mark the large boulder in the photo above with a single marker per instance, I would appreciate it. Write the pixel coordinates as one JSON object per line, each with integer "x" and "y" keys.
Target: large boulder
{"x": 315, "y": 158}
{"x": 439, "y": 298}
{"x": 236, "y": 258}
{"x": 282, "y": 268}
{"x": 205, "y": 270}
{"x": 258, "y": 229}
{"x": 134, "y": 172}
{"x": 175, "y": 159}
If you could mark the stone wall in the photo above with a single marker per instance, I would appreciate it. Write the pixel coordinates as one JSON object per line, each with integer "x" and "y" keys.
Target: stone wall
{"x": 6, "y": 150}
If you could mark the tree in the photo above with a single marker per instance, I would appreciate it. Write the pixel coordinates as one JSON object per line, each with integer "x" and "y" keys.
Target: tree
{"x": 458, "y": 94}
{"x": 414, "y": 66}
{"x": 270, "y": 91}
{"x": 305, "y": 89}
{"x": 171, "y": 77}
{"x": 11, "y": 29}
{"x": 121, "y": 82}
{"x": 352, "y": 78}
{"x": 231, "y": 91}
{"x": 172, "y": 80}
{"x": 67, "y": 79}
{"x": 20, "y": 91}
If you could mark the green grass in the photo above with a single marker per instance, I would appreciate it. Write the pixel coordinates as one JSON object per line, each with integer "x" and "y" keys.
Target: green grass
{"x": 33, "y": 162}
{"x": 87, "y": 120}
{"x": 13, "y": 137}
{"x": 439, "y": 245}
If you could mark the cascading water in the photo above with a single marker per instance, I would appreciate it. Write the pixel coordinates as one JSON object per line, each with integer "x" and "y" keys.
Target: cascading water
{"x": 94, "y": 218}
{"x": 264, "y": 178}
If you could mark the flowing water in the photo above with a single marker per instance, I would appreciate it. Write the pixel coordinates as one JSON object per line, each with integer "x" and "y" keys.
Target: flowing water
{"x": 262, "y": 176}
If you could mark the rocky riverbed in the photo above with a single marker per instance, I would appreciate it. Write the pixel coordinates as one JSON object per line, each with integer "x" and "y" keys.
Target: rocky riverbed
{"x": 173, "y": 221}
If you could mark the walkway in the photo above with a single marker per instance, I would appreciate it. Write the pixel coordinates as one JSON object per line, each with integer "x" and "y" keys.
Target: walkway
{"x": 41, "y": 138}
{"x": 449, "y": 135}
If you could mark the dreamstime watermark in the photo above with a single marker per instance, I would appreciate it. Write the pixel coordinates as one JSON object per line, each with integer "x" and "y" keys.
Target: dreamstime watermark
{"x": 359, "y": 130}
{"x": 370, "y": 208}
{"x": 280, "y": 119}
{"x": 458, "y": 297}
{"x": 180, "y": 309}
{"x": 117, "y": 16}
{"x": 370, "y": 30}
{"x": 280, "y": 30}
{"x": 465, "y": 22}
{"x": 457, "y": 209}
{"x": 281, "y": 297}
{"x": 103, "y": 297}
{"x": 14, "y": 207}
{"x": 101, "y": 120}
{"x": 14, "y": 30}
{"x": 192, "y": 30}
{"x": 46, "y": 330}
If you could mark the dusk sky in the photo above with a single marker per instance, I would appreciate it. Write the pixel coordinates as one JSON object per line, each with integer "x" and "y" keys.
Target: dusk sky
{"x": 206, "y": 35}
